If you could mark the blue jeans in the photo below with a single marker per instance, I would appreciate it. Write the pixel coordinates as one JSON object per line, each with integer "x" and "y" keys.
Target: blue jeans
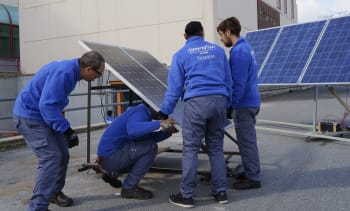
{"x": 52, "y": 152}
{"x": 134, "y": 158}
{"x": 204, "y": 118}
{"x": 245, "y": 119}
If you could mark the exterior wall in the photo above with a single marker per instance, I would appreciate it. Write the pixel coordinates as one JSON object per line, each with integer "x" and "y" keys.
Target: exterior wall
{"x": 49, "y": 35}
{"x": 13, "y": 3}
{"x": 7, "y": 91}
{"x": 50, "y": 29}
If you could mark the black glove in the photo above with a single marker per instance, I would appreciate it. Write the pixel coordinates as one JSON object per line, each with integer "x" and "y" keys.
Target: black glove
{"x": 162, "y": 116}
{"x": 229, "y": 113}
{"x": 71, "y": 137}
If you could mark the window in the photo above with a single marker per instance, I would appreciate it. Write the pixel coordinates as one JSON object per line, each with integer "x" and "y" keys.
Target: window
{"x": 9, "y": 32}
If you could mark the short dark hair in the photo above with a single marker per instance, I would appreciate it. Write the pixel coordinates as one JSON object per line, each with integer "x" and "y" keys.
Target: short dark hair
{"x": 109, "y": 112}
{"x": 231, "y": 24}
{"x": 91, "y": 59}
{"x": 194, "y": 28}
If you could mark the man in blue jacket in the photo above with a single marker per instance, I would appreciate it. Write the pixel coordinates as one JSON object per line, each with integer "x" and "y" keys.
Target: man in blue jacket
{"x": 37, "y": 115}
{"x": 245, "y": 100}
{"x": 129, "y": 145}
{"x": 200, "y": 74}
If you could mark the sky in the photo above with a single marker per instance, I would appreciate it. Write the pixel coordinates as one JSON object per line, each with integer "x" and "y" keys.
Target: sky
{"x": 314, "y": 10}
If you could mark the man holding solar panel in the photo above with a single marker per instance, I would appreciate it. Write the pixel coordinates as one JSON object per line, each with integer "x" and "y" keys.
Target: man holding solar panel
{"x": 200, "y": 74}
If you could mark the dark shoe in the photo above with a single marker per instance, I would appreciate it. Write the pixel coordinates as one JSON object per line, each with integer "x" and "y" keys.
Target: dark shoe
{"x": 61, "y": 200}
{"x": 221, "y": 197}
{"x": 179, "y": 200}
{"x": 112, "y": 181}
{"x": 245, "y": 184}
{"x": 136, "y": 193}
{"x": 239, "y": 176}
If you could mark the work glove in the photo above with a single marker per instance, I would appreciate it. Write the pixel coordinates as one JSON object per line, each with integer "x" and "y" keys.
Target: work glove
{"x": 229, "y": 112}
{"x": 71, "y": 137}
{"x": 162, "y": 116}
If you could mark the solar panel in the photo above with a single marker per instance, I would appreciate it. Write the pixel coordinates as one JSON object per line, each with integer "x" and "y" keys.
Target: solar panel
{"x": 331, "y": 61}
{"x": 150, "y": 63}
{"x": 135, "y": 69}
{"x": 290, "y": 53}
{"x": 261, "y": 41}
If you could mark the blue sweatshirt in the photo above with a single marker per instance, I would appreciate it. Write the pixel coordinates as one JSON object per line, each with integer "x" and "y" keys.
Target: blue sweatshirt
{"x": 200, "y": 68}
{"x": 245, "y": 91}
{"x": 46, "y": 94}
{"x": 135, "y": 124}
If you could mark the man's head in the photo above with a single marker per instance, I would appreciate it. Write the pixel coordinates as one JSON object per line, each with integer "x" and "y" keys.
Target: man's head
{"x": 193, "y": 28}
{"x": 229, "y": 31}
{"x": 92, "y": 65}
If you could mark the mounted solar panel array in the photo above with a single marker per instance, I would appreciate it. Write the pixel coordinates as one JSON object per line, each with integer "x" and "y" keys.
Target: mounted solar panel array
{"x": 331, "y": 61}
{"x": 263, "y": 41}
{"x": 309, "y": 53}
{"x": 140, "y": 71}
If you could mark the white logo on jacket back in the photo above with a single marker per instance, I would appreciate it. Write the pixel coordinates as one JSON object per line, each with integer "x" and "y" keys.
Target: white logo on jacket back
{"x": 203, "y": 51}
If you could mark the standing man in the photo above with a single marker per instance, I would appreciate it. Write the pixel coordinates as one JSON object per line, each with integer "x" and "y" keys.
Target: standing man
{"x": 245, "y": 100}
{"x": 200, "y": 74}
{"x": 129, "y": 145}
{"x": 37, "y": 115}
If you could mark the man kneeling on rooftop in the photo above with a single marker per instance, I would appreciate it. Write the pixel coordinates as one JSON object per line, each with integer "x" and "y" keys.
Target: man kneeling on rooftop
{"x": 129, "y": 145}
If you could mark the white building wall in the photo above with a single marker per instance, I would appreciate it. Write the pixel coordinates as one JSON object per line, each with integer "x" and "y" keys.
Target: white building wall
{"x": 50, "y": 29}
{"x": 13, "y": 3}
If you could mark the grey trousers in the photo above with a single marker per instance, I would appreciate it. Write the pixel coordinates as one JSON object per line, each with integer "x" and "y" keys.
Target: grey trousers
{"x": 203, "y": 119}
{"x": 245, "y": 120}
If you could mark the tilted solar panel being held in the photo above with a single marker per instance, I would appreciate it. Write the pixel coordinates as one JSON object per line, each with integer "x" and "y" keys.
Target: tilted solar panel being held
{"x": 135, "y": 69}
{"x": 290, "y": 53}
{"x": 149, "y": 62}
{"x": 261, "y": 41}
{"x": 331, "y": 62}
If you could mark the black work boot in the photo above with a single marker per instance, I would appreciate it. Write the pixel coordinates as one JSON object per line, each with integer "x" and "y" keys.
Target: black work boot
{"x": 136, "y": 193}
{"x": 114, "y": 182}
{"x": 61, "y": 200}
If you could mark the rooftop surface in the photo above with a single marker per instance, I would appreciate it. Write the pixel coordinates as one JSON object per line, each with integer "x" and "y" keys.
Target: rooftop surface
{"x": 296, "y": 175}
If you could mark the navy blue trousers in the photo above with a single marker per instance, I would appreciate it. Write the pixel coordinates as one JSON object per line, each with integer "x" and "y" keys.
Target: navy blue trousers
{"x": 133, "y": 158}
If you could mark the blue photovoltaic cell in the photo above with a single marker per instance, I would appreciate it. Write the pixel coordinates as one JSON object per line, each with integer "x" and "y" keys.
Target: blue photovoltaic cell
{"x": 331, "y": 61}
{"x": 150, "y": 63}
{"x": 261, "y": 42}
{"x": 290, "y": 53}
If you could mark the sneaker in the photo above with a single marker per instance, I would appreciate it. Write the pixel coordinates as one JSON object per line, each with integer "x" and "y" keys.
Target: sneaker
{"x": 221, "y": 197}
{"x": 61, "y": 200}
{"x": 112, "y": 181}
{"x": 136, "y": 193}
{"x": 245, "y": 184}
{"x": 179, "y": 200}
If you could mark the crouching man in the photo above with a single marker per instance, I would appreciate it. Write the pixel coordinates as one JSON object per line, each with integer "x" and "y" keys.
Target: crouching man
{"x": 129, "y": 146}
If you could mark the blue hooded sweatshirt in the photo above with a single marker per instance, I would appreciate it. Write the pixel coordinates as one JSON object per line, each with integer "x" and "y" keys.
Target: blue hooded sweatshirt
{"x": 245, "y": 92}
{"x": 200, "y": 68}
{"x": 135, "y": 124}
{"x": 46, "y": 94}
